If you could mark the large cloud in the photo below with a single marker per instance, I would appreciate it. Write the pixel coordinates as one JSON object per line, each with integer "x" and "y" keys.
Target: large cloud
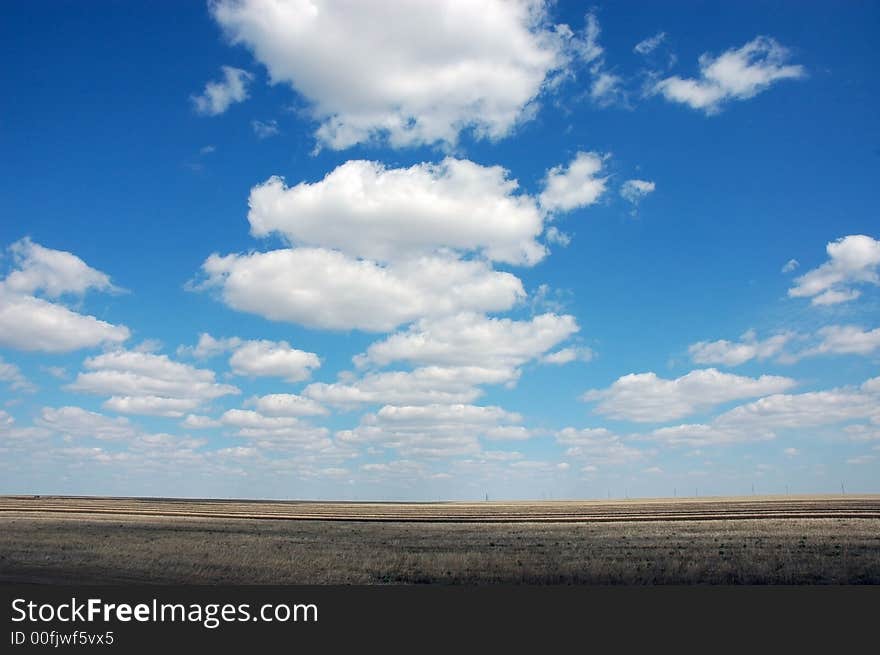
{"x": 422, "y": 386}
{"x": 414, "y": 72}
{"x": 366, "y": 210}
{"x": 431, "y": 430}
{"x": 647, "y": 398}
{"x": 852, "y": 260}
{"x": 761, "y": 419}
{"x": 325, "y": 289}
{"x": 147, "y": 383}
{"x": 737, "y": 74}
{"x": 733, "y": 353}
{"x": 273, "y": 359}
{"x": 28, "y": 322}
{"x": 472, "y": 340}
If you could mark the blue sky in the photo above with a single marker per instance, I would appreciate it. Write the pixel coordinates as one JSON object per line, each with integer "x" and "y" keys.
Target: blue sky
{"x": 514, "y": 249}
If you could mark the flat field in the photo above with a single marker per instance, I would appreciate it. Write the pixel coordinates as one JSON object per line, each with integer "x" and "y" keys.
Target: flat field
{"x": 753, "y": 540}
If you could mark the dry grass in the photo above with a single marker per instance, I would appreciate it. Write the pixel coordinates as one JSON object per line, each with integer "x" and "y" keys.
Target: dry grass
{"x": 76, "y": 546}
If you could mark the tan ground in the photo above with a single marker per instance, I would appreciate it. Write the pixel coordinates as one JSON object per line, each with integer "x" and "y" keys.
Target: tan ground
{"x": 783, "y": 540}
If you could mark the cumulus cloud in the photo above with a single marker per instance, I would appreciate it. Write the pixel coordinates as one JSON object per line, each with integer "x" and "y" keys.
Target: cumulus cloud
{"x": 209, "y": 346}
{"x": 837, "y": 340}
{"x": 265, "y": 129}
{"x": 28, "y": 322}
{"x": 737, "y": 74}
{"x": 645, "y": 397}
{"x": 286, "y": 404}
{"x": 325, "y": 289}
{"x": 606, "y": 88}
{"x": 14, "y": 378}
{"x": 52, "y": 272}
{"x": 367, "y": 210}
{"x": 472, "y": 340}
{"x": 421, "y": 386}
{"x": 634, "y": 190}
{"x": 277, "y": 432}
{"x": 573, "y": 186}
{"x": 790, "y": 265}
{"x": 147, "y": 383}
{"x": 432, "y": 430}
{"x": 852, "y": 260}
{"x": 568, "y": 355}
{"x": 411, "y": 73}
{"x": 273, "y": 359}
{"x": 760, "y": 420}
{"x": 199, "y": 422}
{"x": 734, "y": 353}
{"x": 78, "y": 422}
{"x": 648, "y": 45}
{"x": 218, "y": 96}
{"x": 597, "y": 447}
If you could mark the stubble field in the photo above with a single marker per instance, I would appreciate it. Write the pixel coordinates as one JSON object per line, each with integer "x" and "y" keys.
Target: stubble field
{"x": 772, "y": 540}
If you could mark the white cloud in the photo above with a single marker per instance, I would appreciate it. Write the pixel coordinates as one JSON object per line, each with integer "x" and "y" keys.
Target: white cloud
{"x": 634, "y": 190}
{"x": 737, "y": 74}
{"x": 209, "y": 346}
{"x": 367, "y": 210}
{"x": 555, "y": 235}
{"x": 843, "y": 340}
{"x": 199, "y": 422}
{"x": 151, "y": 405}
{"x": 425, "y": 385}
{"x": 412, "y": 72}
{"x": 218, "y": 96}
{"x": 852, "y": 260}
{"x": 568, "y": 355}
{"x": 645, "y": 397}
{"x": 432, "y": 430}
{"x": 12, "y": 375}
{"x": 806, "y": 409}
{"x": 648, "y": 45}
{"x": 325, "y": 289}
{"x": 472, "y": 340}
{"x": 606, "y": 88}
{"x": 734, "y": 353}
{"x": 78, "y": 422}
{"x": 286, "y": 404}
{"x": 273, "y": 359}
{"x": 146, "y": 383}
{"x": 265, "y": 129}
{"x": 598, "y": 446}
{"x": 575, "y": 185}
{"x": 52, "y": 272}
{"x": 790, "y": 265}
{"x": 277, "y": 432}
{"x": 31, "y": 323}
{"x": 759, "y": 420}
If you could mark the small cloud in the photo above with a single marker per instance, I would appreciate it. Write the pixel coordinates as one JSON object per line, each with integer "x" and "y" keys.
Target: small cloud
{"x": 790, "y": 265}
{"x": 634, "y": 190}
{"x": 218, "y": 96}
{"x": 207, "y": 150}
{"x": 264, "y": 130}
{"x": 861, "y": 459}
{"x": 558, "y": 237}
{"x": 650, "y": 44}
{"x": 653, "y": 470}
{"x": 791, "y": 452}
